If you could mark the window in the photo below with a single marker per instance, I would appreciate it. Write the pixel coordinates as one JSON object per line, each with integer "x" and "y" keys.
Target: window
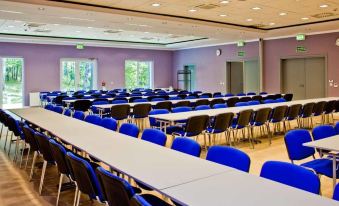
{"x": 138, "y": 74}
{"x": 78, "y": 74}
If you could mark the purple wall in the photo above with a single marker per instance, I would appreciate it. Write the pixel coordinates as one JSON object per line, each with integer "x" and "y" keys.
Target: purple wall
{"x": 316, "y": 45}
{"x": 211, "y": 69}
{"x": 42, "y": 64}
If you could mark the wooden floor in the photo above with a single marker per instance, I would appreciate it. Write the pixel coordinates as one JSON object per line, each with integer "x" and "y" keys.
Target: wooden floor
{"x": 15, "y": 189}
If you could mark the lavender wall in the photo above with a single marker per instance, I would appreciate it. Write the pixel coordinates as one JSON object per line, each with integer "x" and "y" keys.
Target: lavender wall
{"x": 322, "y": 45}
{"x": 211, "y": 69}
{"x": 42, "y": 64}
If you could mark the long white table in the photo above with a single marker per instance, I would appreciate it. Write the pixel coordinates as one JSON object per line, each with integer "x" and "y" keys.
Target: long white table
{"x": 156, "y": 166}
{"x": 328, "y": 146}
{"x": 172, "y": 117}
{"x": 186, "y": 179}
{"x": 239, "y": 188}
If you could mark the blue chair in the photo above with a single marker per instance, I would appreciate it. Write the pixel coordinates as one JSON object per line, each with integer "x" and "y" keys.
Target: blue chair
{"x": 294, "y": 141}
{"x": 68, "y": 112}
{"x": 118, "y": 191}
{"x": 336, "y": 127}
{"x": 241, "y": 104}
{"x": 269, "y": 101}
{"x": 129, "y": 129}
{"x": 323, "y": 131}
{"x": 262, "y": 93}
{"x": 155, "y": 136}
{"x": 152, "y": 121}
{"x": 202, "y": 107}
{"x": 140, "y": 100}
{"x": 93, "y": 119}
{"x": 336, "y": 193}
{"x": 251, "y": 93}
{"x": 292, "y": 175}
{"x": 109, "y": 123}
{"x": 119, "y": 101}
{"x": 181, "y": 109}
{"x": 187, "y": 146}
{"x": 229, "y": 95}
{"x": 253, "y": 102}
{"x": 241, "y": 94}
{"x": 95, "y": 110}
{"x": 280, "y": 100}
{"x": 191, "y": 97}
{"x": 85, "y": 178}
{"x": 219, "y": 106}
{"x": 58, "y": 109}
{"x": 49, "y": 107}
{"x": 79, "y": 115}
{"x": 158, "y": 99}
{"x": 175, "y": 98}
{"x": 230, "y": 157}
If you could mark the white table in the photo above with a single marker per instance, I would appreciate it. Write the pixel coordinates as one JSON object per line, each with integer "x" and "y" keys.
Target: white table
{"x": 241, "y": 189}
{"x": 330, "y": 144}
{"x": 157, "y": 167}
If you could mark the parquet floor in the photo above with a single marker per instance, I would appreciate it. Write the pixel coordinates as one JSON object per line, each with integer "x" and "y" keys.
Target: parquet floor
{"x": 15, "y": 189}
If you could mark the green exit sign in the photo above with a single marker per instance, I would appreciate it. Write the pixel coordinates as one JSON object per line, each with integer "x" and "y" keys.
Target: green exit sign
{"x": 300, "y": 37}
{"x": 241, "y": 53}
{"x": 301, "y": 49}
{"x": 241, "y": 43}
{"x": 80, "y": 46}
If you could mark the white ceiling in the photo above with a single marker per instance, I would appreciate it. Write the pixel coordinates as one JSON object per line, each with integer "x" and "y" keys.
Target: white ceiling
{"x": 72, "y": 23}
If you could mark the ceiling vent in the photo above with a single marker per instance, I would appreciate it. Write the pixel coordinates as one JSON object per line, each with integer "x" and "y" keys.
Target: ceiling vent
{"x": 34, "y": 25}
{"x": 207, "y": 6}
{"x": 112, "y": 31}
{"x": 43, "y": 30}
{"x": 323, "y": 15}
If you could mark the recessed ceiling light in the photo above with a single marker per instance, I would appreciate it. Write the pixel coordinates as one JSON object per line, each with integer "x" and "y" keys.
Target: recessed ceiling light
{"x": 10, "y": 26}
{"x": 304, "y": 18}
{"x": 77, "y": 31}
{"x": 41, "y": 8}
{"x": 17, "y": 21}
{"x": 272, "y": 23}
{"x": 222, "y": 15}
{"x": 192, "y": 10}
{"x": 256, "y": 8}
{"x": 224, "y": 2}
{"x": 13, "y": 12}
{"x": 323, "y": 6}
{"x": 56, "y": 24}
{"x": 156, "y": 4}
{"x": 282, "y": 14}
{"x": 89, "y": 27}
{"x": 249, "y": 19}
{"x": 146, "y": 32}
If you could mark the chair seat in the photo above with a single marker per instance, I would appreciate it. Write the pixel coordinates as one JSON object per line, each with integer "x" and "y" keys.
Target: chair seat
{"x": 172, "y": 129}
{"x": 154, "y": 200}
{"x": 211, "y": 131}
{"x": 235, "y": 126}
{"x": 257, "y": 123}
{"x": 321, "y": 166}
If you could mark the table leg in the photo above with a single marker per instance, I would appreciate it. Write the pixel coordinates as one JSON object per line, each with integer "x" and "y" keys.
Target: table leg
{"x": 334, "y": 159}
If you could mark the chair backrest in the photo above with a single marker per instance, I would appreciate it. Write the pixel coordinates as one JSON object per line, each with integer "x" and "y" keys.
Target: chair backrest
{"x": 153, "y": 121}
{"x": 109, "y": 123}
{"x": 120, "y": 112}
{"x": 336, "y": 106}
{"x": 307, "y": 110}
{"x": 232, "y": 101}
{"x": 68, "y": 112}
{"x": 257, "y": 98}
{"x": 129, "y": 129}
{"x": 292, "y": 175}
{"x": 116, "y": 191}
{"x": 279, "y": 113}
{"x": 93, "y": 119}
{"x": 49, "y": 107}
{"x": 84, "y": 175}
{"x": 181, "y": 109}
{"x": 182, "y": 104}
{"x": 244, "y": 118}
{"x": 59, "y": 154}
{"x": 323, "y": 131}
{"x": 141, "y": 110}
{"x": 196, "y": 124}
{"x": 288, "y": 97}
{"x": 58, "y": 109}
{"x": 222, "y": 122}
{"x": 82, "y": 105}
{"x": 245, "y": 99}
{"x": 44, "y": 146}
{"x": 29, "y": 138}
{"x": 138, "y": 200}
{"x": 219, "y": 106}
{"x": 261, "y": 116}
{"x": 186, "y": 145}
{"x": 202, "y": 102}
{"x": 318, "y": 108}
{"x": 202, "y": 107}
{"x": 217, "y": 101}
{"x": 293, "y": 111}
{"x": 79, "y": 115}
{"x": 230, "y": 157}
{"x": 155, "y": 136}
{"x": 336, "y": 193}
{"x": 294, "y": 141}
{"x": 329, "y": 107}
{"x": 164, "y": 105}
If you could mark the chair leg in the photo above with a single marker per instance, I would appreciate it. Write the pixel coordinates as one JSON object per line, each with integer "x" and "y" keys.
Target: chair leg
{"x": 16, "y": 148}
{"x": 10, "y": 144}
{"x": 78, "y": 198}
{"x": 28, "y": 153}
{"x": 22, "y": 153}
{"x": 42, "y": 176}
{"x": 2, "y": 126}
{"x": 269, "y": 134}
{"x": 76, "y": 195}
{"x": 33, "y": 164}
{"x": 59, "y": 189}
{"x": 6, "y": 140}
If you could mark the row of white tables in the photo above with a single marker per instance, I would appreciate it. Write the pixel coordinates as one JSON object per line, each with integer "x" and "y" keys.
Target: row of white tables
{"x": 186, "y": 179}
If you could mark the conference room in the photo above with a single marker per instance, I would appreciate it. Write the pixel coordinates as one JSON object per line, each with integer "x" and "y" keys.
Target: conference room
{"x": 159, "y": 103}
